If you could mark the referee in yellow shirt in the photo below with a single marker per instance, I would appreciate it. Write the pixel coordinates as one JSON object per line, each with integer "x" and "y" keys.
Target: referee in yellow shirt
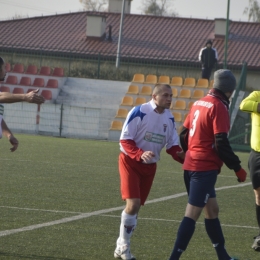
{"x": 251, "y": 104}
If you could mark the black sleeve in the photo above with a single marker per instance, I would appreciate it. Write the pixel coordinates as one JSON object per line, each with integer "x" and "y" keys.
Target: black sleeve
{"x": 226, "y": 153}
{"x": 184, "y": 138}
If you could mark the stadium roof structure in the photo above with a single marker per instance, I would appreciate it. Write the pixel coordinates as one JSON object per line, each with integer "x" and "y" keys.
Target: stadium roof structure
{"x": 145, "y": 37}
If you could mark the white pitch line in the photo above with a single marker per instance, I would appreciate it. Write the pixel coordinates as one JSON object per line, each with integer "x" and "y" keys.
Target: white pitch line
{"x": 43, "y": 210}
{"x": 56, "y": 163}
{"x": 99, "y": 212}
{"x": 179, "y": 221}
{"x": 234, "y": 186}
{"x": 60, "y": 221}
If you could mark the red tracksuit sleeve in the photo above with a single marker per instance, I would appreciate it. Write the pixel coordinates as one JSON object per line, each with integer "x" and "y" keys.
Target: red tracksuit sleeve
{"x": 132, "y": 150}
{"x": 173, "y": 152}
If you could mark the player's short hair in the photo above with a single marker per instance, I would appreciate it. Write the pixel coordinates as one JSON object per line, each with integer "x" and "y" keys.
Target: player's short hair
{"x": 159, "y": 87}
{"x": 1, "y": 62}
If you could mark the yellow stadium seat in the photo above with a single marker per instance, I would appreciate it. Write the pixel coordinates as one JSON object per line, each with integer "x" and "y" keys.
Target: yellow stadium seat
{"x": 121, "y": 113}
{"x": 189, "y": 82}
{"x": 184, "y": 93}
{"x": 151, "y": 79}
{"x": 116, "y": 125}
{"x": 164, "y": 80}
{"x": 138, "y": 78}
{"x": 184, "y": 117}
{"x": 211, "y": 83}
{"x": 127, "y": 101}
{"x": 197, "y": 94}
{"x": 174, "y": 92}
{"x": 178, "y": 105}
{"x": 177, "y": 116}
{"x": 146, "y": 90}
{"x": 202, "y": 83}
{"x": 133, "y": 89}
{"x": 177, "y": 81}
{"x": 190, "y": 105}
{"x": 139, "y": 101}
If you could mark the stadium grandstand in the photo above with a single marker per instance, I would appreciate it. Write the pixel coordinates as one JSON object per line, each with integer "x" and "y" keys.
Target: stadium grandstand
{"x": 71, "y": 58}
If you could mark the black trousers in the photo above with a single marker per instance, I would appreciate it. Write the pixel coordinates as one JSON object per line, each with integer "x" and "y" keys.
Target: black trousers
{"x": 206, "y": 73}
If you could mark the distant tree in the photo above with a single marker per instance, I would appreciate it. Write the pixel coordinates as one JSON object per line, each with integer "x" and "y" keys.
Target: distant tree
{"x": 94, "y": 5}
{"x": 18, "y": 16}
{"x": 158, "y": 7}
{"x": 253, "y": 11}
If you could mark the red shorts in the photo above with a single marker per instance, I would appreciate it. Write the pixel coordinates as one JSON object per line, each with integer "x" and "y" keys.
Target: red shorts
{"x": 136, "y": 178}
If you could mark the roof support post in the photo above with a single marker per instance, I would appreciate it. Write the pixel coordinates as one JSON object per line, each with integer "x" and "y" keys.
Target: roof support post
{"x": 120, "y": 36}
{"x": 226, "y": 37}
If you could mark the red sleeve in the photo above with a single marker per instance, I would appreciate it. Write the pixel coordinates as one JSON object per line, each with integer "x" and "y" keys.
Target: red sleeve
{"x": 173, "y": 152}
{"x": 131, "y": 149}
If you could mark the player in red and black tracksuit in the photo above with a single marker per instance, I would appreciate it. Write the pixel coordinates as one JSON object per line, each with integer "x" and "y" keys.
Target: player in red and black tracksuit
{"x": 204, "y": 139}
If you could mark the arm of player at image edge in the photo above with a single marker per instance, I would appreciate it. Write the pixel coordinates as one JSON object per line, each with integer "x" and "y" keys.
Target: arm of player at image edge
{"x": 7, "y": 133}
{"x": 227, "y": 155}
{"x": 31, "y": 97}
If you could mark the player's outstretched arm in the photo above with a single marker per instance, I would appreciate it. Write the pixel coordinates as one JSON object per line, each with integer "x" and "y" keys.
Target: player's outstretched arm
{"x": 34, "y": 97}
{"x": 31, "y": 97}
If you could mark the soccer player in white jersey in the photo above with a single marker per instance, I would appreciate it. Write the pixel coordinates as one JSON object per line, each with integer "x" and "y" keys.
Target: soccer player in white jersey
{"x": 5, "y": 97}
{"x": 147, "y": 129}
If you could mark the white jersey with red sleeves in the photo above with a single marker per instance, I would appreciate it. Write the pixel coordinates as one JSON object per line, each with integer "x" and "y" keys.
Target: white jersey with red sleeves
{"x": 208, "y": 116}
{"x": 150, "y": 130}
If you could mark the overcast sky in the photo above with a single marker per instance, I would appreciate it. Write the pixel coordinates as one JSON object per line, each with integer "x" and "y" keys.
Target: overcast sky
{"x": 210, "y": 9}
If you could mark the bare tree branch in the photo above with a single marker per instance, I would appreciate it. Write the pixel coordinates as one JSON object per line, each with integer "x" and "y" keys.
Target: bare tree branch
{"x": 94, "y": 5}
{"x": 158, "y": 7}
{"x": 253, "y": 11}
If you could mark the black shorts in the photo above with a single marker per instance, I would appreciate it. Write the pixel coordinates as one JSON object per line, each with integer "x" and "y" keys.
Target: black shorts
{"x": 254, "y": 168}
{"x": 200, "y": 186}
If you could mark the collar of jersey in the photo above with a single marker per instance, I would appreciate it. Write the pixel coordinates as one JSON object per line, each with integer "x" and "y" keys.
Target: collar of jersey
{"x": 154, "y": 107}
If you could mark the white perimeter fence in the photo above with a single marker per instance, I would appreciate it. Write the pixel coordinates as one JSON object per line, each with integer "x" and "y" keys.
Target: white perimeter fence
{"x": 59, "y": 120}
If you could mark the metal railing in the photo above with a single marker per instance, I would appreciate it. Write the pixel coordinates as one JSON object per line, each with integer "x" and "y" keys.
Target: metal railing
{"x": 239, "y": 136}
{"x": 102, "y": 65}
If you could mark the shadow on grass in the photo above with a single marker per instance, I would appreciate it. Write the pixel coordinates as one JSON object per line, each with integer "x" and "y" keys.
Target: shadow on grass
{"x": 20, "y": 256}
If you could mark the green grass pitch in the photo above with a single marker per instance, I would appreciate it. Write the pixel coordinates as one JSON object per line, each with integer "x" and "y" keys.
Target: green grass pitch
{"x": 60, "y": 199}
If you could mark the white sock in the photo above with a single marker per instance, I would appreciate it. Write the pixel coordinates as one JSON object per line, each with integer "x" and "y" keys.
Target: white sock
{"x": 127, "y": 226}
